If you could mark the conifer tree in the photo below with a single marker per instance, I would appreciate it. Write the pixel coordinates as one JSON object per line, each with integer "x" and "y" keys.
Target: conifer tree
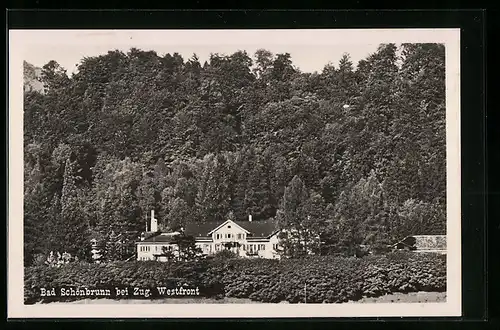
{"x": 292, "y": 217}
{"x": 72, "y": 230}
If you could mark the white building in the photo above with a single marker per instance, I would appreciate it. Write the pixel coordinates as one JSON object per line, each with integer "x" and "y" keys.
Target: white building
{"x": 422, "y": 244}
{"x": 246, "y": 238}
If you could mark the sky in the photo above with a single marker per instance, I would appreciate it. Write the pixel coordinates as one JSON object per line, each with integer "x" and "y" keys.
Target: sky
{"x": 310, "y": 50}
{"x": 307, "y": 59}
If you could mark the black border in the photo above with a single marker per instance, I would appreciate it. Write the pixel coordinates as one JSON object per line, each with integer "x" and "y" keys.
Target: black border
{"x": 242, "y": 19}
{"x": 472, "y": 24}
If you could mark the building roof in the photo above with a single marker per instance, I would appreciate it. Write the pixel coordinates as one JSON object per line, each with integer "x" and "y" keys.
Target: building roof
{"x": 225, "y": 223}
{"x": 264, "y": 228}
{"x": 201, "y": 229}
{"x": 163, "y": 238}
{"x": 425, "y": 242}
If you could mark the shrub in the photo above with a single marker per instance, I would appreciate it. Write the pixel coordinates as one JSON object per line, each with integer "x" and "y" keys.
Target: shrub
{"x": 225, "y": 255}
{"x": 318, "y": 279}
{"x": 380, "y": 249}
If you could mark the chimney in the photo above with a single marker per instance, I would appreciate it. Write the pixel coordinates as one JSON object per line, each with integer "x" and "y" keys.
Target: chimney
{"x": 154, "y": 222}
{"x": 250, "y": 218}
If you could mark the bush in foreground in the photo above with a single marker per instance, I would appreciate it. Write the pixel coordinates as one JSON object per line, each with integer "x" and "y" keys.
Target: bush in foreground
{"x": 314, "y": 280}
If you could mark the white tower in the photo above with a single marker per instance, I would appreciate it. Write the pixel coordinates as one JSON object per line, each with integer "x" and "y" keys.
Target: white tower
{"x": 96, "y": 251}
{"x": 154, "y": 222}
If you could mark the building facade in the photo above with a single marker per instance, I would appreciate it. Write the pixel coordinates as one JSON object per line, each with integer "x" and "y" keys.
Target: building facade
{"x": 423, "y": 244}
{"x": 252, "y": 239}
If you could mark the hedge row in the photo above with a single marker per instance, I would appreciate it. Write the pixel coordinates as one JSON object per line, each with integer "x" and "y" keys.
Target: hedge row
{"x": 315, "y": 279}
{"x": 331, "y": 280}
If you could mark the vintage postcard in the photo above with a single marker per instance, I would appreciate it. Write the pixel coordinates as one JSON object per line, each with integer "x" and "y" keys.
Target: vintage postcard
{"x": 234, "y": 173}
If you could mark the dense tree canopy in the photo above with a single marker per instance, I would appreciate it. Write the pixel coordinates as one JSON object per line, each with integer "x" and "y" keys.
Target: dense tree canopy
{"x": 355, "y": 153}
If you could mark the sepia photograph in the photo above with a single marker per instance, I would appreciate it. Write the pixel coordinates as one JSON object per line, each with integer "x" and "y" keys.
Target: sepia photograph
{"x": 316, "y": 171}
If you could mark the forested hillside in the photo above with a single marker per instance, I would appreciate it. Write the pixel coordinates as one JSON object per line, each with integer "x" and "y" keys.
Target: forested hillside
{"x": 356, "y": 152}
{"x": 31, "y": 78}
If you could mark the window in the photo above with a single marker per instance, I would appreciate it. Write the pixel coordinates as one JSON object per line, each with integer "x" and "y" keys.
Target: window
{"x": 240, "y": 236}
{"x": 275, "y": 246}
{"x": 262, "y": 247}
{"x": 228, "y": 235}
{"x": 228, "y": 226}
